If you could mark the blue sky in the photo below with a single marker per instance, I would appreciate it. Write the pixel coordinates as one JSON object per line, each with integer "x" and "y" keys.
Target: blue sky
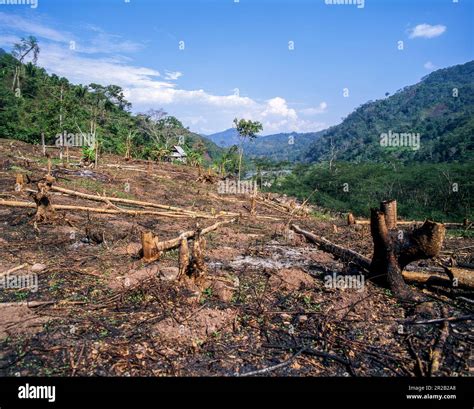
{"x": 236, "y": 59}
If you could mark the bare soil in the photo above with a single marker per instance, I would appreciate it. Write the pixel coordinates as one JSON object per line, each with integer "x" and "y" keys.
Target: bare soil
{"x": 109, "y": 313}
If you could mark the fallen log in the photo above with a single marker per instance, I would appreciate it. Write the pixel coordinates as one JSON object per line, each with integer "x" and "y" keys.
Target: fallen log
{"x": 120, "y": 200}
{"x": 457, "y": 277}
{"x": 437, "y": 352}
{"x": 174, "y": 209}
{"x": 340, "y": 252}
{"x": 153, "y": 247}
{"x": 414, "y": 222}
{"x": 12, "y": 203}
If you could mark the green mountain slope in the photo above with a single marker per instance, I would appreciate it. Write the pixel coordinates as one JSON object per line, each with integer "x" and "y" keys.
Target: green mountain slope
{"x": 440, "y": 108}
{"x": 51, "y": 105}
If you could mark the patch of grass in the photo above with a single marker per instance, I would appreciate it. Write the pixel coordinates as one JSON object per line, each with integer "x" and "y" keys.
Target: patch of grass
{"x": 86, "y": 183}
{"x": 19, "y": 169}
{"x": 171, "y": 255}
{"x": 206, "y": 294}
{"x": 97, "y": 187}
{"x": 466, "y": 234}
{"x": 321, "y": 216}
{"x": 54, "y": 161}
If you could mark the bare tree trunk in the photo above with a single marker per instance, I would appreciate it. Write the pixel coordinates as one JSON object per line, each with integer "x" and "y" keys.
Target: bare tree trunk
{"x": 43, "y": 145}
{"x": 240, "y": 159}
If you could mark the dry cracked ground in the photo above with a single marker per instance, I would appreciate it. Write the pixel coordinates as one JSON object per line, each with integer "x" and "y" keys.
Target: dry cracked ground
{"x": 100, "y": 310}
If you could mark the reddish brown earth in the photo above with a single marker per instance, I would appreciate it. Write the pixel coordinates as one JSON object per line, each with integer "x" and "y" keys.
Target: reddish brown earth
{"x": 265, "y": 299}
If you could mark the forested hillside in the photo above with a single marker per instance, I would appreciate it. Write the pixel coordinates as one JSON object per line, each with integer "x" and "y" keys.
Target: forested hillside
{"x": 33, "y": 102}
{"x": 440, "y": 108}
{"x": 439, "y": 191}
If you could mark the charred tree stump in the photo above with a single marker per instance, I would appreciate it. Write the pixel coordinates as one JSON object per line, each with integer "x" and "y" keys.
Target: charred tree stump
{"x": 393, "y": 250}
{"x": 44, "y": 209}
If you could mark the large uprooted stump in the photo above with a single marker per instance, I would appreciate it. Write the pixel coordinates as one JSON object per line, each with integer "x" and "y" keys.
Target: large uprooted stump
{"x": 394, "y": 249}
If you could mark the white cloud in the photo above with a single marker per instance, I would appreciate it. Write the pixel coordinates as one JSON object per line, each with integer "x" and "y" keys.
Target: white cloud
{"x": 32, "y": 28}
{"x": 430, "y": 66}
{"x": 278, "y": 107}
{"x": 99, "y": 41}
{"x": 321, "y": 109}
{"x": 427, "y": 31}
{"x": 148, "y": 88}
{"x": 8, "y": 40}
{"x": 173, "y": 75}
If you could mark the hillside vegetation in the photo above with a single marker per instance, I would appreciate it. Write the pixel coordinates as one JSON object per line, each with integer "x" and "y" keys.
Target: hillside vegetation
{"x": 440, "y": 108}
{"x": 49, "y": 104}
{"x": 440, "y": 192}
{"x": 352, "y": 171}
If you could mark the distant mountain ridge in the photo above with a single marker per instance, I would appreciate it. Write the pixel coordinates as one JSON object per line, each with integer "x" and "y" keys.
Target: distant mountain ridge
{"x": 291, "y": 147}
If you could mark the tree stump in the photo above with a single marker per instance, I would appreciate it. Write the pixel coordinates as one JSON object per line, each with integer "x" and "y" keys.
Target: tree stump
{"x": 389, "y": 209}
{"x": 19, "y": 182}
{"x": 183, "y": 258}
{"x": 148, "y": 246}
{"x": 350, "y": 219}
{"x": 393, "y": 250}
{"x": 198, "y": 265}
{"x": 44, "y": 209}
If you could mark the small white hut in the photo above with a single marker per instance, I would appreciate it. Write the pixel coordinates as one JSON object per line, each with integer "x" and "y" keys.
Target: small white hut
{"x": 177, "y": 153}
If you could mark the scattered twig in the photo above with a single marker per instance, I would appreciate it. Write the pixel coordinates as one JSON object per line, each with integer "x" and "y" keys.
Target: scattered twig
{"x": 274, "y": 367}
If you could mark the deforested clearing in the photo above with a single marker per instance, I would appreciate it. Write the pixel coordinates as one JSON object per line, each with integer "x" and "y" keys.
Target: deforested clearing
{"x": 142, "y": 268}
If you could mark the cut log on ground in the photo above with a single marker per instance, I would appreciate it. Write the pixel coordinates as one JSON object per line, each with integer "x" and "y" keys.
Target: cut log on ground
{"x": 437, "y": 352}
{"x": 340, "y": 252}
{"x": 456, "y": 277}
{"x": 414, "y": 223}
{"x": 123, "y": 201}
{"x": 12, "y": 203}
